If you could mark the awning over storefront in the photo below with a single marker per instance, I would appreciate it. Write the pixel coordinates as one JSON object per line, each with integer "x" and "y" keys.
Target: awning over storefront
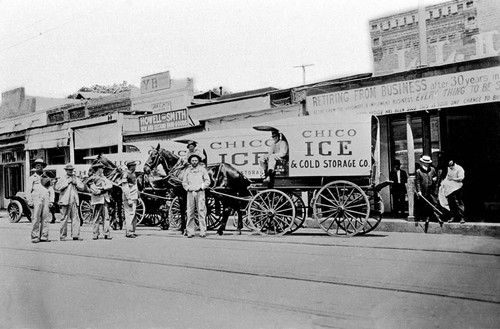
{"x": 98, "y": 136}
{"x": 45, "y": 139}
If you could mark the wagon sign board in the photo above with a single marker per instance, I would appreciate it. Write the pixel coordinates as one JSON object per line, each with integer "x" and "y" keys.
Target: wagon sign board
{"x": 327, "y": 145}
{"x": 241, "y": 148}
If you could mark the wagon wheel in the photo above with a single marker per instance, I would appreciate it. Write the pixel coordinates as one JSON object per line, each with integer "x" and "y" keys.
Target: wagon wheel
{"x": 15, "y": 209}
{"x": 140, "y": 211}
{"x": 376, "y": 211}
{"x": 341, "y": 208}
{"x": 85, "y": 211}
{"x": 244, "y": 219}
{"x": 300, "y": 212}
{"x": 174, "y": 213}
{"x": 214, "y": 212}
{"x": 271, "y": 212}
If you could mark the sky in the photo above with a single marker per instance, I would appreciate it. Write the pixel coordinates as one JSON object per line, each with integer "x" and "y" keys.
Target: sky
{"x": 54, "y": 47}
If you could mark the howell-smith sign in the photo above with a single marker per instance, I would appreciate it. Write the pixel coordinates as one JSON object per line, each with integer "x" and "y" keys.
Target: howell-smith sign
{"x": 164, "y": 121}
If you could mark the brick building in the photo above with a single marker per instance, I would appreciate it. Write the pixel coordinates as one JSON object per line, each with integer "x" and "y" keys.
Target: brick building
{"x": 458, "y": 30}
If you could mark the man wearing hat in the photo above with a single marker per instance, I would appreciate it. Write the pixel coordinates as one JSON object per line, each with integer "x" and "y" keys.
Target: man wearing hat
{"x": 100, "y": 186}
{"x": 68, "y": 187}
{"x": 130, "y": 196}
{"x": 277, "y": 151}
{"x": 40, "y": 197}
{"x": 195, "y": 181}
{"x": 193, "y": 150}
{"x": 425, "y": 184}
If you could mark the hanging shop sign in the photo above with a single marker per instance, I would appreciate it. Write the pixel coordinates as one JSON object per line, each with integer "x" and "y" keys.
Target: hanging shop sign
{"x": 450, "y": 90}
{"x": 155, "y": 82}
{"x": 164, "y": 121}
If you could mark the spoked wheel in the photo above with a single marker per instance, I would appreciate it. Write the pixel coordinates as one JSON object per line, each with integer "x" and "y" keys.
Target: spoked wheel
{"x": 376, "y": 211}
{"x": 174, "y": 213}
{"x": 300, "y": 212}
{"x": 85, "y": 211}
{"x": 341, "y": 208}
{"x": 15, "y": 210}
{"x": 214, "y": 212}
{"x": 271, "y": 212}
{"x": 140, "y": 211}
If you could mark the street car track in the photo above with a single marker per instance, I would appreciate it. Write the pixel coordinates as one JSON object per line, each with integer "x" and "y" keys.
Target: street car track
{"x": 336, "y": 281}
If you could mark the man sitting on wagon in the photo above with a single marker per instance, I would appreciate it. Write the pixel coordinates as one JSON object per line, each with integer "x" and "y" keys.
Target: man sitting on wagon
{"x": 278, "y": 150}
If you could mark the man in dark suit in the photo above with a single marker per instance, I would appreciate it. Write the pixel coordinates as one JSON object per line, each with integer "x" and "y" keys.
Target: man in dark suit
{"x": 398, "y": 189}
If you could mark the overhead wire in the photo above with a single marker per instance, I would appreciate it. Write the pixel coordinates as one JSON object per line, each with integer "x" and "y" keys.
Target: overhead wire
{"x": 48, "y": 30}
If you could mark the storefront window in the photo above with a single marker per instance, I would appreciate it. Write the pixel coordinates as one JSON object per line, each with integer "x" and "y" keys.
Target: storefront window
{"x": 59, "y": 155}
{"x": 419, "y": 126}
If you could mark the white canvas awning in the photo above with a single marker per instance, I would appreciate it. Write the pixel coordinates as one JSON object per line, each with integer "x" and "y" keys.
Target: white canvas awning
{"x": 44, "y": 139}
{"x": 98, "y": 136}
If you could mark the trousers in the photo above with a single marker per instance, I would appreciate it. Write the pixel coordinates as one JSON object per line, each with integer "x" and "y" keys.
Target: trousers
{"x": 40, "y": 217}
{"x": 196, "y": 200}
{"x": 130, "y": 218}
{"x": 101, "y": 216}
{"x": 70, "y": 212}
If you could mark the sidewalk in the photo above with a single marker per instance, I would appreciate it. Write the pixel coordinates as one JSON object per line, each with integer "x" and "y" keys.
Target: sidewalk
{"x": 391, "y": 224}
{"x": 402, "y": 225}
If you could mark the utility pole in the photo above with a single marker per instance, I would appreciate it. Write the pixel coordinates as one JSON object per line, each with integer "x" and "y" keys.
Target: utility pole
{"x": 303, "y": 66}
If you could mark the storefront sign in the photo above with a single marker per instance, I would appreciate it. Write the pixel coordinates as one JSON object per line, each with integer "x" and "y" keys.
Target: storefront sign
{"x": 450, "y": 90}
{"x": 12, "y": 156}
{"x": 155, "y": 82}
{"x": 164, "y": 121}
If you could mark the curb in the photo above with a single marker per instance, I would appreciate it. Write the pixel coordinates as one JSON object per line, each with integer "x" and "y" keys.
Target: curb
{"x": 404, "y": 226}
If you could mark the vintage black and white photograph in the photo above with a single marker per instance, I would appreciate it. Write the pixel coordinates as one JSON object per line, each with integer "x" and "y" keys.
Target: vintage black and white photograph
{"x": 250, "y": 164}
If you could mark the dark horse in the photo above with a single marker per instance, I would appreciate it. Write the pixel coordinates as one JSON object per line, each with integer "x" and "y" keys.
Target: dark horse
{"x": 225, "y": 179}
{"x": 114, "y": 174}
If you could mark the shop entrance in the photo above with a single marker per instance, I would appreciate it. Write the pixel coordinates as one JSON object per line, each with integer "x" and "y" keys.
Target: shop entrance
{"x": 471, "y": 136}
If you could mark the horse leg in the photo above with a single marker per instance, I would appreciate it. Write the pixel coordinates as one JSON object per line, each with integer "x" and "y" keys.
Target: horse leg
{"x": 225, "y": 215}
{"x": 240, "y": 222}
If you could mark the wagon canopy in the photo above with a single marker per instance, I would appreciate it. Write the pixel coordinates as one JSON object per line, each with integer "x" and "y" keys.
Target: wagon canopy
{"x": 326, "y": 145}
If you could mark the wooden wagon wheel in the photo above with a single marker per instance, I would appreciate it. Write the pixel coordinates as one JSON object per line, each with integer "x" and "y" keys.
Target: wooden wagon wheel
{"x": 85, "y": 211}
{"x": 341, "y": 208}
{"x": 300, "y": 212}
{"x": 271, "y": 212}
{"x": 376, "y": 211}
{"x": 174, "y": 213}
{"x": 214, "y": 211}
{"x": 140, "y": 210}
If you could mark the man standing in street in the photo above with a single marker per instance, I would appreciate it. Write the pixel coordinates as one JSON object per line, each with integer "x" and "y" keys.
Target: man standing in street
{"x": 130, "y": 196}
{"x": 40, "y": 197}
{"x": 195, "y": 181}
{"x": 453, "y": 190}
{"x": 68, "y": 186}
{"x": 99, "y": 186}
{"x": 425, "y": 184}
{"x": 399, "y": 178}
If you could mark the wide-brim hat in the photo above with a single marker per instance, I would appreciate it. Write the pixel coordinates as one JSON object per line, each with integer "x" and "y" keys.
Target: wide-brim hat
{"x": 191, "y": 142}
{"x": 130, "y": 163}
{"x": 69, "y": 166}
{"x": 425, "y": 159}
{"x": 194, "y": 155}
{"x": 40, "y": 161}
{"x": 97, "y": 165}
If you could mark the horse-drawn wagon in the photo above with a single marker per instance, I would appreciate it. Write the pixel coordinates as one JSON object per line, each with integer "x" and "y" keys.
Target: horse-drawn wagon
{"x": 330, "y": 173}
